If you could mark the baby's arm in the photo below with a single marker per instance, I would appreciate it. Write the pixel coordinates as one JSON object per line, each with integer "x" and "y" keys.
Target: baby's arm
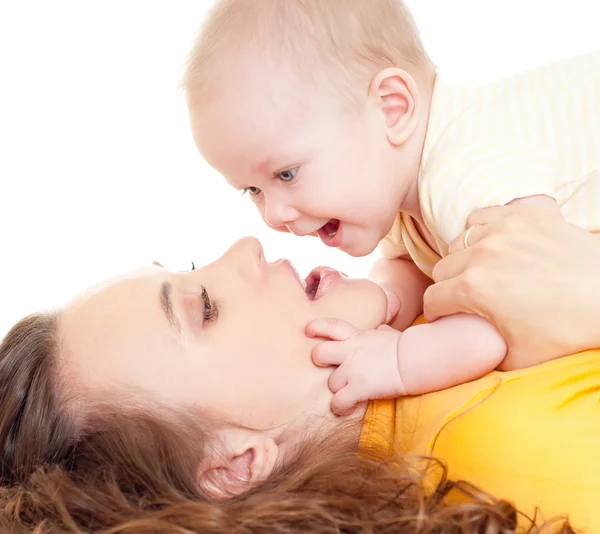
{"x": 402, "y": 277}
{"x": 452, "y": 350}
{"x": 386, "y": 363}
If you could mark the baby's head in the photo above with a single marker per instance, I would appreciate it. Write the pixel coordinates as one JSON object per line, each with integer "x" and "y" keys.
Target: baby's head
{"x": 317, "y": 109}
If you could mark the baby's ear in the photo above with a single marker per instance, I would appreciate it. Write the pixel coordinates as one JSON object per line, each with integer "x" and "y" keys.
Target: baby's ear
{"x": 397, "y": 97}
{"x": 246, "y": 459}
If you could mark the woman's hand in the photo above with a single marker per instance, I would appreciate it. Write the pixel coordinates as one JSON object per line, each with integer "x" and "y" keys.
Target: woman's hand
{"x": 532, "y": 274}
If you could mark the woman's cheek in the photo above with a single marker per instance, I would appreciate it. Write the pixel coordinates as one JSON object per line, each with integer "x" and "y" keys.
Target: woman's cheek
{"x": 361, "y": 303}
{"x": 392, "y": 305}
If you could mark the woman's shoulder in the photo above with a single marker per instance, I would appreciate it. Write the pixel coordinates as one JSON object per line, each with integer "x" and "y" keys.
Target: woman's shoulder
{"x": 569, "y": 385}
{"x": 530, "y": 436}
{"x": 566, "y": 387}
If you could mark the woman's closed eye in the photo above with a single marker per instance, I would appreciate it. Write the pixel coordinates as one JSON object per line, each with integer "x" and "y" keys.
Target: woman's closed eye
{"x": 211, "y": 309}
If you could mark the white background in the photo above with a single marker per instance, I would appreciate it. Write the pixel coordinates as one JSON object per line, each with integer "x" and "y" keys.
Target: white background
{"x": 98, "y": 172}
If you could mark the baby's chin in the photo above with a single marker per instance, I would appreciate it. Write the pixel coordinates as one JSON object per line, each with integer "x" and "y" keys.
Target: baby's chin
{"x": 359, "y": 242}
{"x": 358, "y": 250}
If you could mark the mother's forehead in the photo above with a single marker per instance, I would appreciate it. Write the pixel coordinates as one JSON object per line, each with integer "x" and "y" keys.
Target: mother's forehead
{"x": 134, "y": 278}
{"x": 116, "y": 299}
{"x": 116, "y": 315}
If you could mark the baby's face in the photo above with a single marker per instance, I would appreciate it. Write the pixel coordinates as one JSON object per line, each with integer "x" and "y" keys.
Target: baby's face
{"x": 311, "y": 165}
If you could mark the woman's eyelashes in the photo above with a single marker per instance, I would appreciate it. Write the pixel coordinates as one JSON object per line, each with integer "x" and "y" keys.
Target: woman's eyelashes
{"x": 211, "y": 309}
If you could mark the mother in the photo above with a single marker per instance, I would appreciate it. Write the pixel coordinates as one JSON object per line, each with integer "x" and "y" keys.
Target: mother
{"x": 159, "y": 394}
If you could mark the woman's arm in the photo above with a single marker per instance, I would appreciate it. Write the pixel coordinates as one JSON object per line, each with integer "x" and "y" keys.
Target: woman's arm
{"x": 529, "y": 272}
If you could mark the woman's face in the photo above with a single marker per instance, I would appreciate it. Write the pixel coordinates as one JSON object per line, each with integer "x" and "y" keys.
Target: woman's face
{"x": 227, "y": 338}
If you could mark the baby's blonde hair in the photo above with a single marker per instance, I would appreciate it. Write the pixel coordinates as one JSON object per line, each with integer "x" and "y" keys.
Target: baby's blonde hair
{"x": 352, "y": 39}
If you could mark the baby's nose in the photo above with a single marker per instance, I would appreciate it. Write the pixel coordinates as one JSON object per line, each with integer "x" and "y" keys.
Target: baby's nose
{"x": 278, "y": 214}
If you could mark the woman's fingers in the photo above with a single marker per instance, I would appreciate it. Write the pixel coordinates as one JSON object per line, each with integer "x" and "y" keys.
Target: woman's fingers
{"x": 450, "y": 266}
{"x": 471, "y": 236}
{"x": 488, "y": 215}
{"x": 477, "y": 224}
{"x": 441, "y": 299}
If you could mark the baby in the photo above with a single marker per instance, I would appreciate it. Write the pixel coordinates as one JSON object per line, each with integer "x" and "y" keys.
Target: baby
{"x": 331, "y": 117}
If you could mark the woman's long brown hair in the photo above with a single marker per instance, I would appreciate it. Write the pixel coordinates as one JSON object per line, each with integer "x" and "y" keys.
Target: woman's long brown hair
{"x": 133, "y": 472}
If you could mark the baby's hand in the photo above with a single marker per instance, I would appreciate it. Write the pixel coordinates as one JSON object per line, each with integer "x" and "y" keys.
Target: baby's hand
{"x": 366, "y": 361}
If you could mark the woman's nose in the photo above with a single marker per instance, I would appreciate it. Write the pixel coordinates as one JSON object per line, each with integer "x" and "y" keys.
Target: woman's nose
{"x": 248, "y": 254}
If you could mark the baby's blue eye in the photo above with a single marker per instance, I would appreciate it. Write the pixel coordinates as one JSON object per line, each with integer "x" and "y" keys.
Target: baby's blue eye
{"x": 252, "y": 191}
{"x": 287, "y": 176}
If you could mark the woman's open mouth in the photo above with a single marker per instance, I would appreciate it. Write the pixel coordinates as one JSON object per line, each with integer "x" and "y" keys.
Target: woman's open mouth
{"x": 330, "y": 233}
{"x": 320, "y": 281}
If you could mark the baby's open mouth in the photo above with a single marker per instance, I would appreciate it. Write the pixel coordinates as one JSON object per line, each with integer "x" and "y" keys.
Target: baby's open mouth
{"x": 329, "y": 231}
{"x": 330, "y": 228}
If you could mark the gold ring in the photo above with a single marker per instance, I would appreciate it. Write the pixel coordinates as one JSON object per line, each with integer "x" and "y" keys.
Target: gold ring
{"x": 467, "y": 234}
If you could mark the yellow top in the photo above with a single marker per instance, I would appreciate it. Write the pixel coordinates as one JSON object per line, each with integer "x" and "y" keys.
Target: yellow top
{"x": 531, "y": 437}
{"x": 537, "y": 133}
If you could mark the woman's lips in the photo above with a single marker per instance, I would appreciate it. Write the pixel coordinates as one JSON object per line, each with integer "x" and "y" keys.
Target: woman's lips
{"x": 320, "y": 281}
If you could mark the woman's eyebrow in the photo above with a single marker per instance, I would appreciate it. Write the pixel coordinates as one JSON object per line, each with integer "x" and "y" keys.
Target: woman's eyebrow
{"x": 166, "y": 304}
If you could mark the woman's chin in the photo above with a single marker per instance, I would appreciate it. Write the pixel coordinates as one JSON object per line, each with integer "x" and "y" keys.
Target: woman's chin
{"x": 359, "y": 302}
{"x": 393, "y": 305}
{"x": 374, "y": 307}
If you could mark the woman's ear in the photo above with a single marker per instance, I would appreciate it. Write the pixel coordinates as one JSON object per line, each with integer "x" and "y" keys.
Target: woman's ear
{"x": 246, "y": 458}
{"x": 396, "y": 96}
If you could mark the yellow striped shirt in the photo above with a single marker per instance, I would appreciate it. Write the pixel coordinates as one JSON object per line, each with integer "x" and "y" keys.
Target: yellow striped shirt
{"x": 537, "y": 133}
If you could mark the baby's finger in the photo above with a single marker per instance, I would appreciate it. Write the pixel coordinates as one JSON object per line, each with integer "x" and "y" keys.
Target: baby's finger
{"x": 329, "y": 353}
{"x": 344, "y": 402}
{"x": 338, "y": 379}
{"x": 334, "y": 329}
